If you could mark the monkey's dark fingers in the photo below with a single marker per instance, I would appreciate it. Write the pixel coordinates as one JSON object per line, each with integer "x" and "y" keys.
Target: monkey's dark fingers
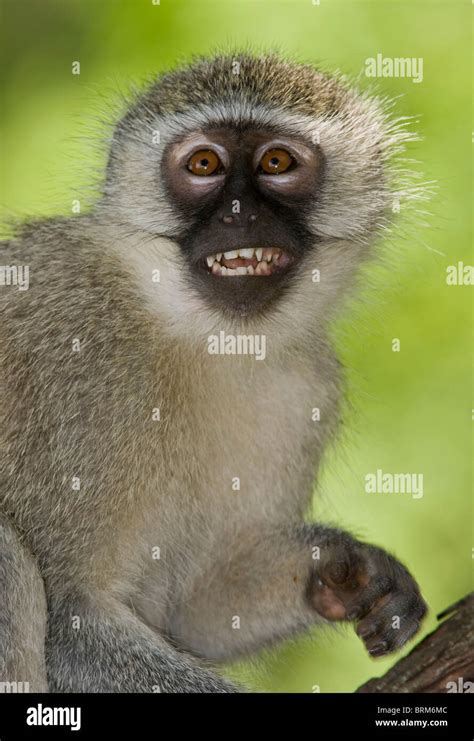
{"x": 391, "y": 623}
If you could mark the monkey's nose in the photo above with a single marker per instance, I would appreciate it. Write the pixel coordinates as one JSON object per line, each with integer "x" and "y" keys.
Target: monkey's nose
{"x": 236, "y": 218}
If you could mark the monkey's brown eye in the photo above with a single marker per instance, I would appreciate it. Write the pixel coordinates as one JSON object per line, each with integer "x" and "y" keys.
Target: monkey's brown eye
{"x": 204, "y": 162}
{"x": 276, "y": 161}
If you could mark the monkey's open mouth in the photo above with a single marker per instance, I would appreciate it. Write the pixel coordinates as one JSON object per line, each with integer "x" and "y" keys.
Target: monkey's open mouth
{"x": 259, "y": 261}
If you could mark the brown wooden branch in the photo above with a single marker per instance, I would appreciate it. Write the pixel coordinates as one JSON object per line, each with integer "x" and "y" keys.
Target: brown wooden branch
{"x": 441, "y": 662}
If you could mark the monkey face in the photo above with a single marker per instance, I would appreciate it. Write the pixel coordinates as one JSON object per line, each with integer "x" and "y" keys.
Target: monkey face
{"x": 245, "y": 195}
{"x": 255, "y": 191}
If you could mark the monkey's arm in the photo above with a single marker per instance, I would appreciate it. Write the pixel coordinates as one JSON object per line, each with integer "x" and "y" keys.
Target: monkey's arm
{"x": 22, "y": 614}
{"x": 96, "y": 644}
{"x": 279, "y": 583}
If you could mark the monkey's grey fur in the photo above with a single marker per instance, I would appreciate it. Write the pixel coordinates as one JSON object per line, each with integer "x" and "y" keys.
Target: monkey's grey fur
{"x": 120, "y": 619}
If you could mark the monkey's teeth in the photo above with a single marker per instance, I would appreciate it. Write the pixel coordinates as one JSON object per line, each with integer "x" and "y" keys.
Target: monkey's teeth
{"x": 249, "y": 270}
{"x": 267, "y": 259}
{"x": 262, "y": 269}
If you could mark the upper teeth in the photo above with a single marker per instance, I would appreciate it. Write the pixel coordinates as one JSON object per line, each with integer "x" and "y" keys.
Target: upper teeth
{"x": 248, "y": 253}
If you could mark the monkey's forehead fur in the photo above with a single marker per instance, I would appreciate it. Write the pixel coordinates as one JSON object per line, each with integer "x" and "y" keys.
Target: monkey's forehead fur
{"x": 267, "y": 81}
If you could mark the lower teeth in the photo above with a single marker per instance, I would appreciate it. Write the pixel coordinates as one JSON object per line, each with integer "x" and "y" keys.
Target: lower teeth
{"x": 263, "y": 268}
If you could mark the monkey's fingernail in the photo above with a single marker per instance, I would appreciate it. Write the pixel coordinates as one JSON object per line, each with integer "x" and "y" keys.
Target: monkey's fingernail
{"x": 379, "y": 648}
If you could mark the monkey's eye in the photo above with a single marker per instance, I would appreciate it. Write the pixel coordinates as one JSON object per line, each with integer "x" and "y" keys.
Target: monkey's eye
{"x": 204, "y": 162}
{"x": 276, "y": 161}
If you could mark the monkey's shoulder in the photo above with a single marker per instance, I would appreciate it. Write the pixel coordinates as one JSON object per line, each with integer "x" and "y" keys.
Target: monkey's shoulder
{"x": 62, "y": 281}
{"x": 52, "y": 247}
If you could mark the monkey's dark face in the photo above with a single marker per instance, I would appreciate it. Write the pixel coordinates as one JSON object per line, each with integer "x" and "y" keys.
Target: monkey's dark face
{"x": 244, "y": 196}
{"x": 255, "y": 185}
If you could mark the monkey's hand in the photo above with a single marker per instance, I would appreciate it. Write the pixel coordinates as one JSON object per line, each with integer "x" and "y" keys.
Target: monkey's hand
{"x": 362, "y": 583}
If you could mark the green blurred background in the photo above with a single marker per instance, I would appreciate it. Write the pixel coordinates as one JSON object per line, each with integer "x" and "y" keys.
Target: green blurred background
{"x": 410, "y": 411}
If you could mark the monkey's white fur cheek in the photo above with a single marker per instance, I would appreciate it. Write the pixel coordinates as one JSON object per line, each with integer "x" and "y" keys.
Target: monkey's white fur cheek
{"x": 158, "y": 268}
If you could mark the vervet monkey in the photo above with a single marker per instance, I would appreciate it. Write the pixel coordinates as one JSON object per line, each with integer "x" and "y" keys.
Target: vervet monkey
{"x": 156, "y": 487}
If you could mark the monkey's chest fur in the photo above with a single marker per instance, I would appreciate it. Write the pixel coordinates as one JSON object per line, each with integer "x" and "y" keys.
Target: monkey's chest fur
{"x": 112, "y": 494}
{"x": 236, "y": 451}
